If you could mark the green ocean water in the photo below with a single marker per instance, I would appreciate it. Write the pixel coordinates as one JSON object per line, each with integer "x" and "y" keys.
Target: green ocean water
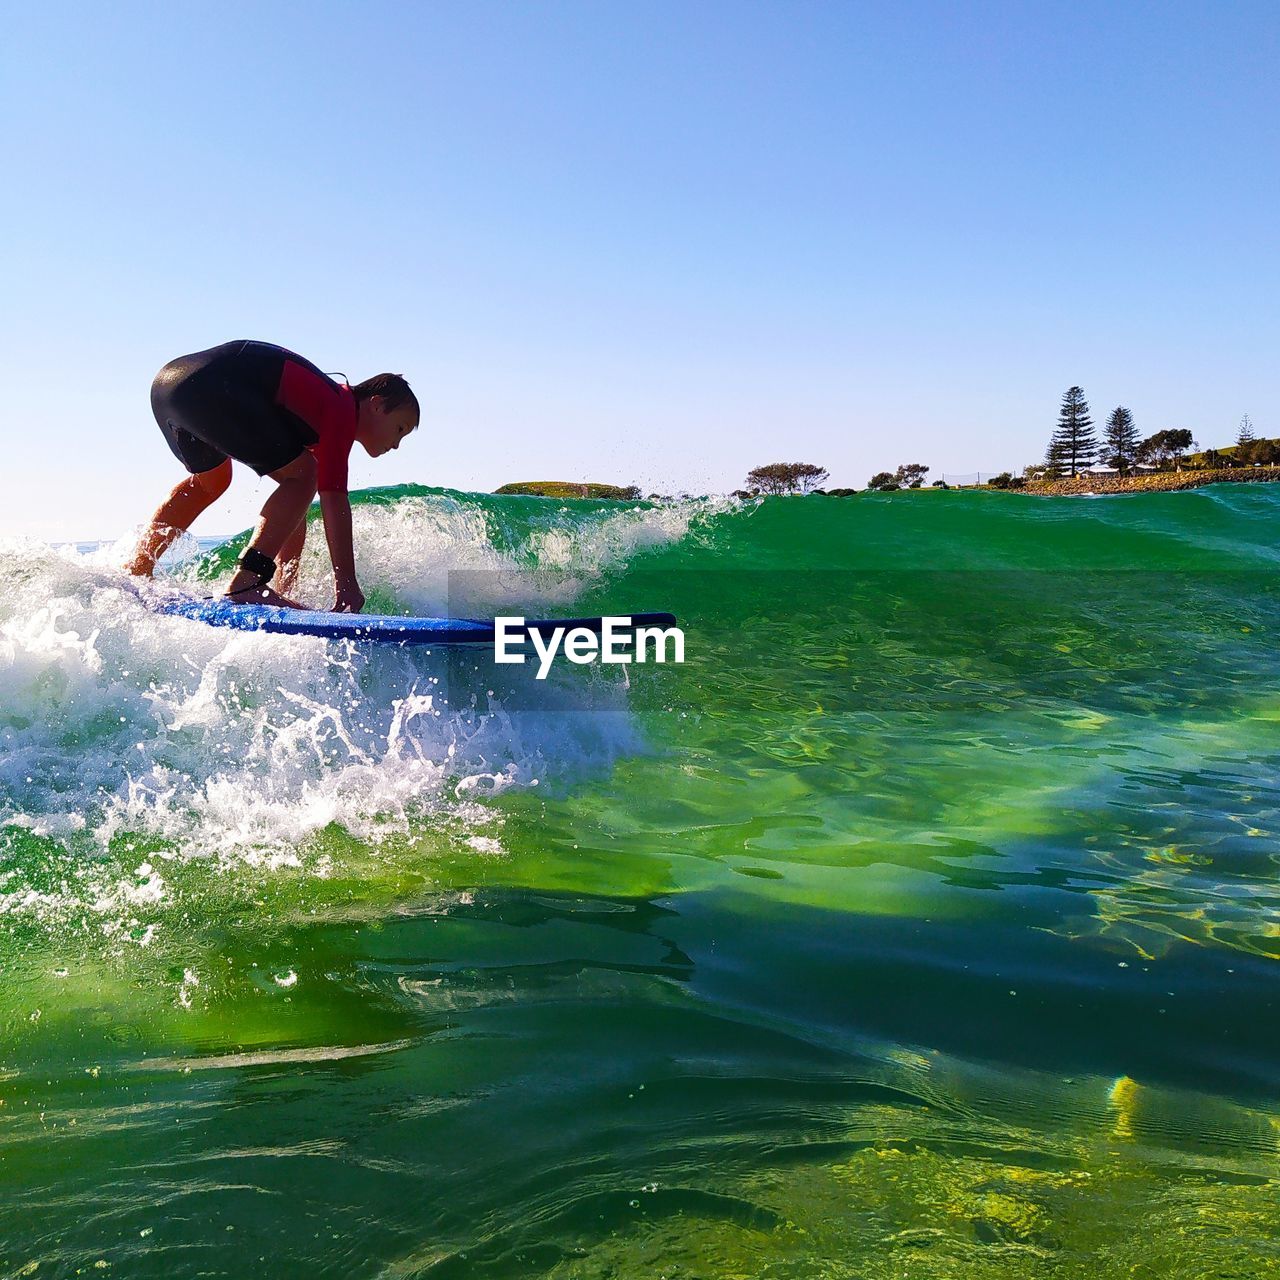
{"x": 921, "y": 924}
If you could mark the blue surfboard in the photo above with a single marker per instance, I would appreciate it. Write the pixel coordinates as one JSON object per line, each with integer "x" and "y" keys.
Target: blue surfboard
{"x": 375, "y": 628}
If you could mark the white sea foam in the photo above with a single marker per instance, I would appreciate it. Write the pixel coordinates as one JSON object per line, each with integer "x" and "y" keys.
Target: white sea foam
{"x": 123, "y": 727}
{"x": 411, "y": 548}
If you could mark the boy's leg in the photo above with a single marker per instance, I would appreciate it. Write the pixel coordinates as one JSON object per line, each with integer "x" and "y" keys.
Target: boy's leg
{"x": 290, "y": 558}
{"x": 282, "y": 512}
{"x": 175, "y": 515}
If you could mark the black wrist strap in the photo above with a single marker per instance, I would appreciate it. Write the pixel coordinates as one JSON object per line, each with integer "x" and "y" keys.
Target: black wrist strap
{"x": 255, "y": 562}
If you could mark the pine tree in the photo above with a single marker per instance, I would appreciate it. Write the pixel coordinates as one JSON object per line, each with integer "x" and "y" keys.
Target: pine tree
{"x": 1121, "y": 446}
{"x": 1073, "y": 445}
{"x": 1246, "y": 431}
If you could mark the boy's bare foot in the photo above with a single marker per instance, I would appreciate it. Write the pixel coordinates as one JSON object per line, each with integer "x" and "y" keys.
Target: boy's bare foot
{"x": 255, "y": 594}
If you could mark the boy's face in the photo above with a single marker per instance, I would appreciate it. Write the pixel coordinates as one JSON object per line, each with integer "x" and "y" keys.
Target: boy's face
{"x": 381, "y": 429}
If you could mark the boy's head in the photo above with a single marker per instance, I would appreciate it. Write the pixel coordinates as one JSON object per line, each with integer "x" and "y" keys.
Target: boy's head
{"x": 386, "y": 411}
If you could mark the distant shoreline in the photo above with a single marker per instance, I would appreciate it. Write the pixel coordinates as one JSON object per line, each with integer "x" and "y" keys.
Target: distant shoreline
{"x": 1157, "y": 482}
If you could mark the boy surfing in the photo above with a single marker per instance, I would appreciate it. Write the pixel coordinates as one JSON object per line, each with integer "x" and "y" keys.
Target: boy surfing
{"x": 281, "y": 416}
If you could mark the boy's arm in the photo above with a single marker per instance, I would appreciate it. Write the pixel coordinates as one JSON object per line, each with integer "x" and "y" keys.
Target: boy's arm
{"x": 335, "y": 507}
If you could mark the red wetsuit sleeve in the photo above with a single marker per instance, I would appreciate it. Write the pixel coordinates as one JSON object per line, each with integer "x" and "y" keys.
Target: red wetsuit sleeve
{"x": 330, "y": 411}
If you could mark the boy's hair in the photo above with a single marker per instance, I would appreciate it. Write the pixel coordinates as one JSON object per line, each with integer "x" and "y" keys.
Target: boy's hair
{"x": 393, "y": 389}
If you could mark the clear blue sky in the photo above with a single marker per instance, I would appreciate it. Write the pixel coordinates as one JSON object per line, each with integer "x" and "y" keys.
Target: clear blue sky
{"x": 636, "y": 242}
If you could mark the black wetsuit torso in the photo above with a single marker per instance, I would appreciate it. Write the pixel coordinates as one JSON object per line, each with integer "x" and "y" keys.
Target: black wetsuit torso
{"x": 226, "y": 403}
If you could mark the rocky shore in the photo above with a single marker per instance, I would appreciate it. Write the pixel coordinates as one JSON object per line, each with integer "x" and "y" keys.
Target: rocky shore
{"x": 569, "y": 489}
{"x": 1154, "y": 481}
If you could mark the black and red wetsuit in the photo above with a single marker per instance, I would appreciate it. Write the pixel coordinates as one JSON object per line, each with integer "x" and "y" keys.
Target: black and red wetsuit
{"x": 259, "y": 404}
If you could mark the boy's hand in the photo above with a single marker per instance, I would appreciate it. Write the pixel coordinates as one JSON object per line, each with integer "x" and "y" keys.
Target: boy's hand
{"x": 349, "y": 598}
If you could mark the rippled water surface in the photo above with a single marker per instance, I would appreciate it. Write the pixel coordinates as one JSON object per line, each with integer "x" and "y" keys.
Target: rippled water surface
{"x": 924, "y": 923}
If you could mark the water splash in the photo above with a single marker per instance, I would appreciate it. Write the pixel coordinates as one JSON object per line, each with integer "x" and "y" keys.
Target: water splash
{"x": 122, "y": 730}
